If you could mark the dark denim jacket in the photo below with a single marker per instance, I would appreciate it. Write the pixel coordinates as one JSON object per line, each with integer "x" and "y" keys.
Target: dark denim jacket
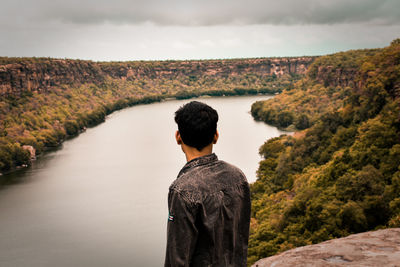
{"x": 209, "y": 215}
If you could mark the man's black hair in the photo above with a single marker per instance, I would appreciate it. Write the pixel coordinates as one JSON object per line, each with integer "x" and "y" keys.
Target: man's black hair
{"x": 197, "y": 124}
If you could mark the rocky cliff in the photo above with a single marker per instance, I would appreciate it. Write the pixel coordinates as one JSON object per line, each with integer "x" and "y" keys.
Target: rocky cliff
{"x": 340, "y": 69}
{"x": 330, "y": 76}
{"x": 19, "y": 75}
{"x": 370, "y": 249}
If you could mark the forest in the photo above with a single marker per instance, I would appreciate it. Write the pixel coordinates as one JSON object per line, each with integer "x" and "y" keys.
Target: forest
{"x": 43, "y": 119}
{"x": 339, "y": 173}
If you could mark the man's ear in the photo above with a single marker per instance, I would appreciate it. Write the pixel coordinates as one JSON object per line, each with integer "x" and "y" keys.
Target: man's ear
{"x": 216, "y": 136}
{"x": 178, "y": 138}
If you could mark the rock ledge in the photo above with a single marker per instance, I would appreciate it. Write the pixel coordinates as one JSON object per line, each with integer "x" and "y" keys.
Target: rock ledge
{"x": 376, "y": 248}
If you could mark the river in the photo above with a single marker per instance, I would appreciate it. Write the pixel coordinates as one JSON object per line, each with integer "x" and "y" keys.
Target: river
{"x": 101, "y": 199}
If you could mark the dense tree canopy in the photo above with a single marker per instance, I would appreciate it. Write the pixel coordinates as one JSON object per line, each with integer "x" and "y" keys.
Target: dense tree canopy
{"x": 341, "y": 175}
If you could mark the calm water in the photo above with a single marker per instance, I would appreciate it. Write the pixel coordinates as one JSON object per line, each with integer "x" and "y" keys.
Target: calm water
{"x": 101, "y": 200}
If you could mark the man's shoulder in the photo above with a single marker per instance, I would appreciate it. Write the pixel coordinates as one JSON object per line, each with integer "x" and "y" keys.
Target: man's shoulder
{"x": 233, "y": 169}
{"x": 208, "y": 177}
{"x": 230, "y": 174}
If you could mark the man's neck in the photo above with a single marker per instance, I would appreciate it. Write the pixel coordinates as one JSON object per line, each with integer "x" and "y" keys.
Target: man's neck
{"x": 192, "y": 153}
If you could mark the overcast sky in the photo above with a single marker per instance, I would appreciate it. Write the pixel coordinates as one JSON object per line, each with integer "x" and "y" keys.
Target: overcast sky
{"x": 193, "y": 29}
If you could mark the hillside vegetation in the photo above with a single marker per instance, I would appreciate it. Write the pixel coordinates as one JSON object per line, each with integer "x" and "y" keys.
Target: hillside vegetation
{"x": 43, "y": 101}
{"x": 340, "y": 175}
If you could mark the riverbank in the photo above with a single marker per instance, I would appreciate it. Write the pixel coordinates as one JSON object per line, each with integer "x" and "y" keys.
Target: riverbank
{"x": 45, "y": 120}
{"x": 74, "y": 127}
{"x": 44, "y": 100}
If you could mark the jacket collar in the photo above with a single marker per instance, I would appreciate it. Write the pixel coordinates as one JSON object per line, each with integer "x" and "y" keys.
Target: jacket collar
{"x": 198, "y": 161}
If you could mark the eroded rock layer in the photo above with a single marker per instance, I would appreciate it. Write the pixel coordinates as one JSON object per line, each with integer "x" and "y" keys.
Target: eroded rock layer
{"x": 18, "y": 75}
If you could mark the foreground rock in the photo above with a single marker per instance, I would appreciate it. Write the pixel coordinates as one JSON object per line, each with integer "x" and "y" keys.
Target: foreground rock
{"x": 377, "y": 248}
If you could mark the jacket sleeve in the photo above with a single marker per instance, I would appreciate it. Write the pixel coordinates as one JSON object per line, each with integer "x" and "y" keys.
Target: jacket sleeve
{"x": 181, "y": 231}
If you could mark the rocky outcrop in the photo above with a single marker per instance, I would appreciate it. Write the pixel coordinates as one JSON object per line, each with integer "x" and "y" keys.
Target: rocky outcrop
{"x": 29, "y": 75}
{"x": 18, "y": 75}
{"x": 377, "y": 248}
{"x": 227, "y": 67}
{"x": 31, "y": 150}
{"x": 331, "y": 76}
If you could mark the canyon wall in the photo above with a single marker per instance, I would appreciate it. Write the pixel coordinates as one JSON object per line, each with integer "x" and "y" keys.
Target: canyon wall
{"x": 331, "y": 76}
{"x": 18, "y": 75}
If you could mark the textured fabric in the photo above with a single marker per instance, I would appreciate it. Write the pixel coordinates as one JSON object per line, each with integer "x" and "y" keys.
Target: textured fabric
{"x": 209, "y": 215}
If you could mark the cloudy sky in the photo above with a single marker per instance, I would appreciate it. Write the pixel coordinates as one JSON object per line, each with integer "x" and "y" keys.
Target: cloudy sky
{"x": 193, "y": 29}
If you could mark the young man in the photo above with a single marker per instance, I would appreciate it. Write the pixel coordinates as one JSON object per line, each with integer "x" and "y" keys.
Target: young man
{"x": 209, "y": 202}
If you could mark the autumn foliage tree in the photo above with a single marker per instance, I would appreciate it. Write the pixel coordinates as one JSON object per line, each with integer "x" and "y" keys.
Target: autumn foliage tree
{"x": 341, "y": 175}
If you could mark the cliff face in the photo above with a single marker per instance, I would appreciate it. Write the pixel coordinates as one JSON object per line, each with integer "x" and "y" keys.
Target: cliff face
{"x": 331, "y": 76}
{"x": 22, "y": 76}
{"x": 39, "y": 75}
{"x": 341, "y": 69}
{"x": 220, "y": 68}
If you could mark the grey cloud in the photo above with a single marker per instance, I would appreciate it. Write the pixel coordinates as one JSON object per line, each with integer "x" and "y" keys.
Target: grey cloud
{"x": 202, "y": 12}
